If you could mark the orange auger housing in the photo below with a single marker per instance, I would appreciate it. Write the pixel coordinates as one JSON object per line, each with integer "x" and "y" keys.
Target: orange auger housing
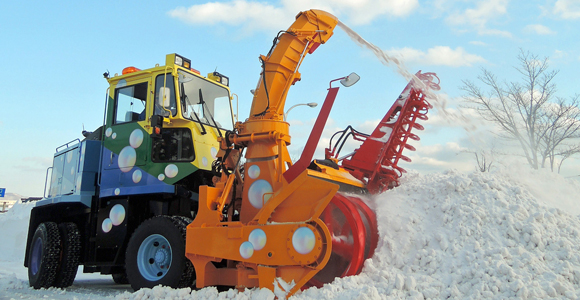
{"x": 282, "y": 226}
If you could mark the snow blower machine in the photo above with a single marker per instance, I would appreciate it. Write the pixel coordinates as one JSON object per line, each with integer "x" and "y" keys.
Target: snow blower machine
{"x": 169, "y": 191}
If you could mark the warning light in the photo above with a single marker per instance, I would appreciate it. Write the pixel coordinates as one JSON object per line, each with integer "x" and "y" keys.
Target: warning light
{"x": 128, "y": 70}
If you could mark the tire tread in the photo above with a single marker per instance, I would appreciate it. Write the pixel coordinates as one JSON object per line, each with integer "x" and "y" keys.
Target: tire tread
{"x": 71, "y": 250}
{"x": 49, "y": 261}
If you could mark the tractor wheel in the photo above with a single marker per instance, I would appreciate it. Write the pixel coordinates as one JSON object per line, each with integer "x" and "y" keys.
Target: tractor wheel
{"x": 71, "y": 252}
{"x": 120, "y": 278}
{"x": 44, "y": 256}
{"x": 156, "y": 255}
{"x": 183, "y": 219}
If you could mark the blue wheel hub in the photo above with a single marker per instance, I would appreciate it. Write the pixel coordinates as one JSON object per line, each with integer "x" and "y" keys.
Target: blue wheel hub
{"x": 36, "y": 256}
{"x": 154, "y": 257}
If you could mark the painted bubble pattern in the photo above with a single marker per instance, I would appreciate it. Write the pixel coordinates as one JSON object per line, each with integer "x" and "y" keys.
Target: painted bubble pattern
{"x": 137, "y": 175}
{"x": 107, "y": 225}
{"x": 303, "y": 240}
{"x": 171, "y": 170}
{"x": 256, "y": 192}
{"x": 117, "y": 214}
{"x": 246, "y": 250}
{"x": 257, "y": 238}
{"x": 127, "y": 159}
{"x": 254, "y": 171}
{"x": 161, "y": 177}
{"x": 136, "y": 138}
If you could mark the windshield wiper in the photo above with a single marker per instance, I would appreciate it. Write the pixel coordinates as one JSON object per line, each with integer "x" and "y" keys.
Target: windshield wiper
{"x": 184, "y": 104}
{"x": 204, "y": 107}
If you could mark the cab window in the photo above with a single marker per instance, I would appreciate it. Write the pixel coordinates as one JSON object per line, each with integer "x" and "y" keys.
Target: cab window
{"x": 130, "y": 103}
{"x": 204, "y": 101}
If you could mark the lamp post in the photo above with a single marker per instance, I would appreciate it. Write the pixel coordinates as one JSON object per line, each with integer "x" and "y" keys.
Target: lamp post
{"x": 311, "y": 104}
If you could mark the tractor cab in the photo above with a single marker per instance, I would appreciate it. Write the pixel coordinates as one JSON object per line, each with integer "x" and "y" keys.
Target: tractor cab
{"x": 162, "y": 125}
{"x": 174, "y": 91}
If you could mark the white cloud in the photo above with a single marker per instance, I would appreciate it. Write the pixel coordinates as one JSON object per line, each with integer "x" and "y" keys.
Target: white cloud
{"x": 538, "y": 29}
{"x": 567, "y": 9}
{"x": 251, "y": 16}
{"x": 438, "y": 56}
{"x": 479, "y": 17}
{"x": 478, "y": 43}
{"x": 559, "y": 54}
{"x": 438, "y": 157}
{"x": 259, "y": 16}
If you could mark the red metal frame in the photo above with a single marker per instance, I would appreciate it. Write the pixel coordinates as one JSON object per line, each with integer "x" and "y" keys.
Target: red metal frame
{"x": 349, "y": 239}
{"x": 375, "y": 161}
{"x": 310, "y": 147}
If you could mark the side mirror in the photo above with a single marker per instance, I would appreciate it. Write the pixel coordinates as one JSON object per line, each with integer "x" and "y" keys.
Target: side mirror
{"x": 350, "y": 79}
{"x": 164, "y": 96}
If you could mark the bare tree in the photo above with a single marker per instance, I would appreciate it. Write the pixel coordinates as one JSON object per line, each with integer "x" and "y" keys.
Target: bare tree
{"x": 484, "y": 158}
{"x": 528, "y": 111}
{"x": 484, "y": 164}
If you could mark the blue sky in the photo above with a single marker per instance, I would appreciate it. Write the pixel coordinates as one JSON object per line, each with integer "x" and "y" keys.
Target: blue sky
{"x": 54, "y": 53}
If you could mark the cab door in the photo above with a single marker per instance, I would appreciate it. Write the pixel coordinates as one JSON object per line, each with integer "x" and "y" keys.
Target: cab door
{"x": 126, "y": 139}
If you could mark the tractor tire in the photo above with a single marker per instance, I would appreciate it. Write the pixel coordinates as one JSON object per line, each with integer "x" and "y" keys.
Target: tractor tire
{"x": 71, "y": 252}
{"x": 156, "y": 255}
{"x": 44, "y": 256}
{"x": 120, "y": 278}
{"x": 183, "y": 219}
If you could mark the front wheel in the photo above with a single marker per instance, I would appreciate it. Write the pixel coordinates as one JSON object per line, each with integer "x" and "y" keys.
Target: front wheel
{"x": 156, "y": 255}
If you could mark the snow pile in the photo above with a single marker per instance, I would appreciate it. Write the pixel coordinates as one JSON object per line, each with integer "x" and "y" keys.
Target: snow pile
{"x": 14, "y": 230}
{"x": 470, "y": 236}
{"x": 209, "y": 293}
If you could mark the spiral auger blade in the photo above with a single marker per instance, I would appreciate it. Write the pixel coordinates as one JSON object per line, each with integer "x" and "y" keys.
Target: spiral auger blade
{"x": 376, "y": 160}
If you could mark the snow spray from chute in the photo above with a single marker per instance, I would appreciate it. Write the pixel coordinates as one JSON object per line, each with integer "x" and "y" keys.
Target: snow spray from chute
{"x": 380, "y": 54}
{"x": 389, "y": 60}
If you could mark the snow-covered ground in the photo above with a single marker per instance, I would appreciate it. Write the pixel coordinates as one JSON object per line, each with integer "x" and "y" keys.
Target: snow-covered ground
{"x": 512, "y": 233}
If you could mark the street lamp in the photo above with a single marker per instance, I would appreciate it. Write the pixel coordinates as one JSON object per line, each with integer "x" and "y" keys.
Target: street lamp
{"x": 311, "y": 104}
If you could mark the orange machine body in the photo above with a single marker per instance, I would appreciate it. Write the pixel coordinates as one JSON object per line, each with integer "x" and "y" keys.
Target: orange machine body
{"x": 279, "y": 235}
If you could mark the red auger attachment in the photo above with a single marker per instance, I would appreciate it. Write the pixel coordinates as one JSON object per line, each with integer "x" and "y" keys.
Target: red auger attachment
{"x": 375, "y": 161}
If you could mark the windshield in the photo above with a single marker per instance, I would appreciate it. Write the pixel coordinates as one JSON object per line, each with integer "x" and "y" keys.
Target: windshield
{"x": 204, "y": 101}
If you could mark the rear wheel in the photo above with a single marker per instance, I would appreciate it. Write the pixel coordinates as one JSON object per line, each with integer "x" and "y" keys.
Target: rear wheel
{"x": 44, "y": 255}
{"x": 156, "y": 255}
{"x": 69, "y": 259}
